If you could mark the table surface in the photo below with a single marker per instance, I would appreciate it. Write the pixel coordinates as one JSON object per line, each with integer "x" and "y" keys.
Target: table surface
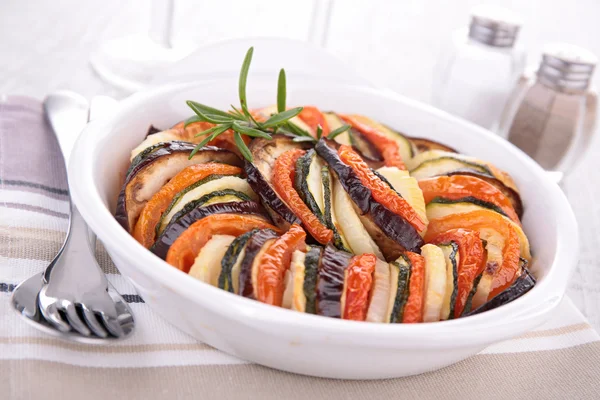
{"x": 46, "y": 46}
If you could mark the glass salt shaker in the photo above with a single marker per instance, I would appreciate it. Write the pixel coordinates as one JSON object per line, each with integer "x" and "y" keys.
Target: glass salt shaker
{"x": 551, "y": 115}
{"x": 478, "y": 68}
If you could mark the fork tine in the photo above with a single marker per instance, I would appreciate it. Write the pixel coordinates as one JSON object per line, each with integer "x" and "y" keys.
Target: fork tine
{"x": 75, "y": 320}
{"x": 92, "y": 322}
{"x": 53, "y": 317}
{"x": 112, "y": 325}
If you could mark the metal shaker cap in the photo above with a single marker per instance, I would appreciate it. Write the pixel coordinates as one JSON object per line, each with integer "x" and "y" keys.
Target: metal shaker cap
{"x": 566, "y": 66}
{"x": 494, "y": 26}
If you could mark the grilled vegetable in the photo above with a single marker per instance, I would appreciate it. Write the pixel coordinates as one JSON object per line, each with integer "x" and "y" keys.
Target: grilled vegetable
{"x": 471, "y": 263}
{"x": 405, "y": 147}
{"x": 259, "y": 242}
{"x": 435, "y": 282}
{"x": 413, "y": 310}
{"x": 457, "y": 187}
{"x": 146, "y": 227}
{"x": 259, "y": 172}
{"x": 312, "y": 261}
{"x": 157, "y": 168}
{"x": 273, "y": 264}
{"x": 390, "y": 231}
{"x": 361, "y": 144}
{"x": 452, "y": 259}
{"x": 308, "y": 183}
{"x": 231, "y": 261}
{"x": 177, "y": 226}
{"x": 283, "y": 178}
{"x": 379, "y": 136}
{"x": 407, "y": 187}
{"x": 189, "y": 197}
{"x": 350, "y": 225}
{"x": 424, "y": 145}
{"x": 378, "y": 307}
{"x": 330, "y": 282}
{"x": 524, "y": 283}
{"x": 334, "y": 122}
{"x": 399, "y": 278}
{"x": 313, "y": 117}
{"x": 439, "y": 207}
{"x": 329, "y": 213}
{"x": 186, "y": 247}
{"x": 207, "y": 264}
{"x": 357, "y": 286}
{"x": 298, "y": 274}
{"x": 265, "y": 113}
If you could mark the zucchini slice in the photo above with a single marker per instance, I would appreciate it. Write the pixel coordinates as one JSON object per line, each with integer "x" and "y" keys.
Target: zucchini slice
{"x": 311, "y": 267}
{"x": 329, "y": 215}
{"x": 439, "y": 207}
{"x": 294, "y": 297}
{"x": 447, "y": 165}
{"x": 231, "y": 261}
{"x": 380, "y": 293}
{"x": 330, "y": 282}
{"x": 207, "y": 265}
{"x": 201, "y": 188}
{"x": 407, "y": 187}
{"x": 494, "y": 247}
{"x": 308, "y": 183}
{"x": 334, "y": 122}
{"x": 435, "y": 282}
{"x": 350, "y": 226}
{"x": 152, "y": 140}
{"x": 257, "y": 244}
{"x": 469, "y": 303}
{"x": 400, "y": 277}
{"x": 452, "y": 259}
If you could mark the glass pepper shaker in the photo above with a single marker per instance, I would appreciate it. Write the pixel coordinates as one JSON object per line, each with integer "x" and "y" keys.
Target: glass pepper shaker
{"x": 479, "y": 66}
{"x": 551, "y": 115}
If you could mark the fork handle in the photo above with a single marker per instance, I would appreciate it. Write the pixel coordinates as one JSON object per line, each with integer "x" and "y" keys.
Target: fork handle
{"x": 73, "y": 261}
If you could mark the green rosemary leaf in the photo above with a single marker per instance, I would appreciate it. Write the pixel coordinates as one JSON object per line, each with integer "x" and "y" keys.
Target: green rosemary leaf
{"x": 217, "y": 130}
{"x": 212, "y": 118}
{"x": 237, "y": 112}
{"x": 281, "y": 91}
{"x": 296, "y": 130}
{"x": 281, "y": 117}
{"x": 243, "y": 80}
{"x": 191, "y": 120}
{"x": 204, "y": 109}
{"x": 249, "y": 131}
{"x": 242, "y": 146}
{"x": 209, "y": 130}
{"x": 337, "y": 131}
{"x": 304, "y": 139}
{"x": 319, "y": 131}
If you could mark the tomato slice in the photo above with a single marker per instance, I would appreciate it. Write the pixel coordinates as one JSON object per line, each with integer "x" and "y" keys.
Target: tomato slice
{"x": 457, "y": 186}
{"x": 381, "y": 192}
{"x": 186, "y": 247}
{"x": 388, "y": 148}
{"x": 312, "y": 117}
{"x": 284, "y": 172}
{"x": 275, "y": 262}
{"x": 144, "y": 231}
{"x": 359, "y": 279}
{"x": 475, "y": 220}
{"x": 471, "y": 264}
{"x": 413, "y": 310}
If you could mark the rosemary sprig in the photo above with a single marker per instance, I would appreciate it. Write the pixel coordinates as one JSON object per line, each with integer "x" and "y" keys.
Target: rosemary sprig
{"x": 242, "y": 122}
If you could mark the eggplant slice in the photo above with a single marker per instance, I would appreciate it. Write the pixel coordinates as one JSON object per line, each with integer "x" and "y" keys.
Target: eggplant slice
{"x": 423, "y": 145}
{"x": 330, "y": 281}
{"x": 151, "y": 172}
{"x": 392, "y": 233}
{"x": 176, "y": 227}
{"x": 259, "y": 172}
{"x": 523, "y": 284}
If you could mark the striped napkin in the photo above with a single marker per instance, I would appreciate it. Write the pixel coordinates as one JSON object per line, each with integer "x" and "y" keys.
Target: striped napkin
{"x": 559, "y": 360}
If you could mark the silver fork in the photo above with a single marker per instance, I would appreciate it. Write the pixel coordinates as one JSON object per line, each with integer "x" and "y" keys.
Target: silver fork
{"x": 75, "y": 297}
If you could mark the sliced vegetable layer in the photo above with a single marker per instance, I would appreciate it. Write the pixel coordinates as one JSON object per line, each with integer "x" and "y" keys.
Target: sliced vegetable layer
{"x": 359, "y": 279}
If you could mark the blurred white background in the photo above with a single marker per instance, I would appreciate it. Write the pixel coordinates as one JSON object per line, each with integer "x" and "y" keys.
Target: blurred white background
{"x": 45, "y": 45}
